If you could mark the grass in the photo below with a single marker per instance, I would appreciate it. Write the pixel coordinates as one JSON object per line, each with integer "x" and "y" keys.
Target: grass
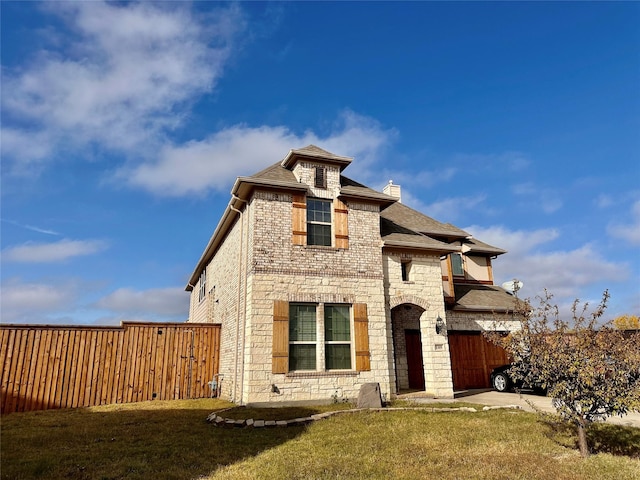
{"x": 172, "y": 440}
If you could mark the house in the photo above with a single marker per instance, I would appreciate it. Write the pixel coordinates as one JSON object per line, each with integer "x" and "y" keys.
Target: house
{"x": 322, "y": 284}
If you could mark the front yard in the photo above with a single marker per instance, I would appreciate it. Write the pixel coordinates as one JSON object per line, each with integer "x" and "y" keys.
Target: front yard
{"x": 173, "y": 440}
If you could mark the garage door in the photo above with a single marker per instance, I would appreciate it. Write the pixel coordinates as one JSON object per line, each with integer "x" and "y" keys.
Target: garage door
{"x": 472, "y": 359}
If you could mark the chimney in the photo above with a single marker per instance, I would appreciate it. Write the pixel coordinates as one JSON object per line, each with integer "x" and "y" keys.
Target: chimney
{"x": 393, "y": 190}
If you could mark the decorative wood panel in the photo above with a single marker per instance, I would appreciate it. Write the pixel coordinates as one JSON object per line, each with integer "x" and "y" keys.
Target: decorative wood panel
{"x": 299, "y": 220}
{"x": 341, "y": 212}
{"x": 280, "y": 363}
{"x": 361, "y": 337}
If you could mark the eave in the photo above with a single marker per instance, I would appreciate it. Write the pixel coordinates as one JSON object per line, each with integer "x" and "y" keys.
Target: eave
{"x": 240, "y": 193}
{"x": 320, "y": 156}
{"x": 367, "y": 195}
{"x": 403, "y": 245}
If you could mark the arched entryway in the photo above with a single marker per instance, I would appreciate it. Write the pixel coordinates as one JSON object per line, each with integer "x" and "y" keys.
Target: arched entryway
{"x": 407, "y": 347}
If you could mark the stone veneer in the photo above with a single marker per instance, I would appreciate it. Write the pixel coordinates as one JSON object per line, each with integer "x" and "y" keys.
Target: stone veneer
{"x": 423, "y": 289}
{"x": 480, "y": 321}
{"x": 257, "y": 264}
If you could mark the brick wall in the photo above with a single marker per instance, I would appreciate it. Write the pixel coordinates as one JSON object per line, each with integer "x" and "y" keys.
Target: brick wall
{"x": 222, "y": 302}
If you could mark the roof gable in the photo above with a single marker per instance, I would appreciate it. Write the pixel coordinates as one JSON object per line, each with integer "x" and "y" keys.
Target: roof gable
{"x": 311, "y": 152}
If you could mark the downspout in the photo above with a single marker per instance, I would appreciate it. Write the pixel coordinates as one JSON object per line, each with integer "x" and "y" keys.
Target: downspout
{"x": 238, "y": 317}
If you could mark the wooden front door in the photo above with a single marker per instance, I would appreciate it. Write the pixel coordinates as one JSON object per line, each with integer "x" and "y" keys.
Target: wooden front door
{"x": 414, "y": 359}
{"x": 472, "y": 359}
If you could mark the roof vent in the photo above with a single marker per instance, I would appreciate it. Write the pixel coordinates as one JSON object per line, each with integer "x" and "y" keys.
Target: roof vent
{"x": 393, "y": 190}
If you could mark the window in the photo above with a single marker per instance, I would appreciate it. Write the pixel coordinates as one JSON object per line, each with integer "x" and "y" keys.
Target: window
{"x": 318, "y": 222}
{"x": 301, "y": 329}
{"x": 337, "y": 337}
{"x": 320, "y": 177}
{"x": 302, "y": 337}
{"x": 406, "y": 268}
{"x": 456, "y": 265}
{"x": 202, "y": 292}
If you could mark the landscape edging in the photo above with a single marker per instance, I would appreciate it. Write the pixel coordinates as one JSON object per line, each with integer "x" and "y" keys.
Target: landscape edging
{"x": 219, "y": 421}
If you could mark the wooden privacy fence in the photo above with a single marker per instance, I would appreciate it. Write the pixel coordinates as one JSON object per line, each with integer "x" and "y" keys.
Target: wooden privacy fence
{"x": 60, "y": 367}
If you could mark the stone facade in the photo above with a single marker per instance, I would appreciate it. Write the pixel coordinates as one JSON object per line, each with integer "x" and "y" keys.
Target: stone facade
{"x": 482, "y": 321}
{"x": 256, "y": 264}
{"x": 423, "y": 288}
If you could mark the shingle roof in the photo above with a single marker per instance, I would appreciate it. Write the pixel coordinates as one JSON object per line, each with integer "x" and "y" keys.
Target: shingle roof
{"x": 409, "y": 218}
{"x": 395, "y": 235}
{"x": 483, "y": 298}
{"x": 351, "y": 188}
{"x": 276, "y": 172}
{"x": 315, "y": 152}
{"x": 476, "y": 246}
{"x": 400, "y": 226}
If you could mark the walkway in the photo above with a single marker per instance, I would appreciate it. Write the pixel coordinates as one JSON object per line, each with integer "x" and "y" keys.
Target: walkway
{"x": 493, "y": 398}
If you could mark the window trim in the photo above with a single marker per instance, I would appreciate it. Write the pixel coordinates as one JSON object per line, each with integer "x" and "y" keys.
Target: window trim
{"x": 304, "y": 342}
{"x": 457, "y": 255}
{"x": 405, "y": 269}
{"x": 338, "y": 342}
{"x": 321, "y": 342}
{"x": 280, "y": 342}
{"x": 202, "y": 291}
{"x": 310, "y": 223}
{"x": 320, "y": 177}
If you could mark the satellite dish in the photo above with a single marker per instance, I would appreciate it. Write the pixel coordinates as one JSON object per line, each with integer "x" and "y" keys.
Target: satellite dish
{"x": 513, "y": 286}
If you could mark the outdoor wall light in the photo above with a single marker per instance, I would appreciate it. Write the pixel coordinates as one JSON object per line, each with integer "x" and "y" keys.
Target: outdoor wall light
{"x": 439, "y": 326}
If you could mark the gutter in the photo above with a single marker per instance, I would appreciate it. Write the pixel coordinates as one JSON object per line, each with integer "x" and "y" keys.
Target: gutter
{"x": 242, "y": 280}
{"x": 239, "y": 193}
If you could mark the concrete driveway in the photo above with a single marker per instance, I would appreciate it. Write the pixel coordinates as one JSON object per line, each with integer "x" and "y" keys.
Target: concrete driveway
{"x": 493, "y": 398}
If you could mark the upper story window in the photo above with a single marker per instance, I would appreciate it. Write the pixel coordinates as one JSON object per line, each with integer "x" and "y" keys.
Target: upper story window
{"x": 320, "y": 177}
{"x": 318, "y": 222}
{"x": 202, "y": 292}
{"x": 457, "y": 265}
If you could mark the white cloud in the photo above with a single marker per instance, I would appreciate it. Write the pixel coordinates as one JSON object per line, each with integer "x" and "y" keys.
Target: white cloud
{"x": 516, "y": 242}
{"x": 163, "y": 302}
{"x": 604, "y": 201}
{"x": 127, "y": 74}
{"x": 545, "y": 198}
{"x": 52, "y": 252}
{"x": 629, "y": 232}
{"x": 565, "y": 273}
{"x": 446, "y": 210}
{"x": 33, "y": 228}
{"x": 198, "y": 167}
{"x": 29, "y": 301}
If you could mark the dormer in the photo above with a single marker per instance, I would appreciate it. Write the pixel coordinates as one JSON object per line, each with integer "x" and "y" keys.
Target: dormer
{"x": 472, "y": 265}
{"x": 318, "y": 169}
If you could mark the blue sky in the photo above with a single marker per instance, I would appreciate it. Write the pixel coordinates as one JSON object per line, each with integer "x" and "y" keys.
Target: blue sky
{"x": 124, "y": 126}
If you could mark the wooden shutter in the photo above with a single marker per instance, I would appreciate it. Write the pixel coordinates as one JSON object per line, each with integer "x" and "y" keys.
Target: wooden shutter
{"x": 361, "y": 337}
{"x": 299, "y": 220}
{"x": 342, "y": 223}
{"x": 280, "y": 363}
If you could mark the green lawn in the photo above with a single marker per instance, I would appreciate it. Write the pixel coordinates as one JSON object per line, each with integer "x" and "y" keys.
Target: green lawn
{"x": 166, "y": 440}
